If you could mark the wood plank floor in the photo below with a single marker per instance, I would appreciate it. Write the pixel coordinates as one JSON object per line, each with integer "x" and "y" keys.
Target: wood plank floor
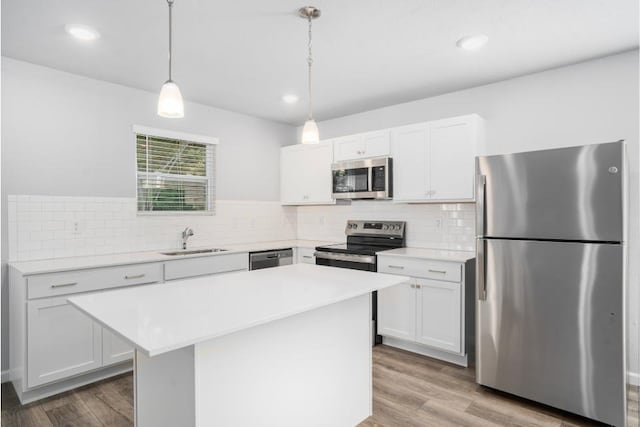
{"x": 409, "y": 390}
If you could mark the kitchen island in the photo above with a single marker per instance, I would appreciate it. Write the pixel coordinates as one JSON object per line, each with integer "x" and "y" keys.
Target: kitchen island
{"x": 285, "y": 346}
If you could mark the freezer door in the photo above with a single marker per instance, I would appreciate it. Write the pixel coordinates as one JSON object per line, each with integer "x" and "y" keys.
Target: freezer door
{"x": 550, "y": 328}
{"x": 566, "y": 194}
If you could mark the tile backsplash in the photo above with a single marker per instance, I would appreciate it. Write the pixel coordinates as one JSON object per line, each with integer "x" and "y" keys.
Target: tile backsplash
{"x": 54, "y": 226}
{"x": 440, "y": 226}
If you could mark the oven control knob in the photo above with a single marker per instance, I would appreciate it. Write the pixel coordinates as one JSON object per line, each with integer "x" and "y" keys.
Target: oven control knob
{"x": 355, "y": 225}
{"x": 397, "y": 227}
{"x": 385, "y": 227}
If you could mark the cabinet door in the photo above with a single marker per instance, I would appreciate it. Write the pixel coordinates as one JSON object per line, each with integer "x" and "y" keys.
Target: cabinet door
{"x": 452, "y": 150}
{"x": 114, "y": 349}
{"x": 438, "y": 312}
{"x": 291, "y": 171}
{"x": 61, "y": 341}
{"x": 348, "y": 148}
{"x": 397, "y": 311}
{"x": 376, "y": 144}
{"x": 305, "y": 174}
{"x": 306, "y": 255}
{"x": 316, "y": 177}
{"x": 409, "y": 151}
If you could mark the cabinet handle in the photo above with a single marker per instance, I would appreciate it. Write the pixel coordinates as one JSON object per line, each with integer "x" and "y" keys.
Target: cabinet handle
{"x": 417, "y": 286}
{"x": 137, "y": 276}
{"x": 307, "y": 256}
{"x": 413, "y": 286}
{"x": 64, "y": 285}
{"x": 396, "y": 266}
{"x": 437, "y": 271}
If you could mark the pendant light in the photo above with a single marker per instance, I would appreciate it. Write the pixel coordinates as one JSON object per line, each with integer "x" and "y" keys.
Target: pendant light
{"x": 310, "y": 134}
{"x": 170, "y": 102}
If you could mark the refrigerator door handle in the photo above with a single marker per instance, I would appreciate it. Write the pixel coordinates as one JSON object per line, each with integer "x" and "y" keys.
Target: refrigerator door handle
{"x": 481, "y": 184}
{"x": 481, "y": 282}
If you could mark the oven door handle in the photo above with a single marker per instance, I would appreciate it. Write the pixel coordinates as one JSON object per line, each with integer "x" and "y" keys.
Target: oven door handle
{"x": 364, "y": 259}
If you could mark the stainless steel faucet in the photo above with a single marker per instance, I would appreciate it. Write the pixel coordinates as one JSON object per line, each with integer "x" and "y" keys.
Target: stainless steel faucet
{"x": 186, "y": 233}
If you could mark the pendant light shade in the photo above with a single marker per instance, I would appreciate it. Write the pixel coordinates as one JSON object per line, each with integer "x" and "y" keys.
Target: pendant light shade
{"x": 170, "y": 102}
{"x": 310, "y": 134}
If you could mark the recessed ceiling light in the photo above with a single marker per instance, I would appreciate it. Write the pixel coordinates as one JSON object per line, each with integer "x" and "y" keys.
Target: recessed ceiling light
{"x": 82, "y": 32}
{"x": 472, "y": 42}
{"x": 290, "y": 98}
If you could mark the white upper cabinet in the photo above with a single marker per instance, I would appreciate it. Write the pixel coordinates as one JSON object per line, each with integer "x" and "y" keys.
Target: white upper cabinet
{"x": 434, "y": 161}
{"x": 305, "y": 174}
{"x": 453, "y": 144}
{"x": 360, "y": 146}
{"x": 410, "y": 177}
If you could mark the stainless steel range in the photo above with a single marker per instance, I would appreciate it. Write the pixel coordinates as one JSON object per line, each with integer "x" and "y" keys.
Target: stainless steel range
{"x": 364, "y": 240}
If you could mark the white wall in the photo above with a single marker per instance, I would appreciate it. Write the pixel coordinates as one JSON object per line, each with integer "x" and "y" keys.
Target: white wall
{"x": 67, "y": 135}
{"x": 586, "y": 103}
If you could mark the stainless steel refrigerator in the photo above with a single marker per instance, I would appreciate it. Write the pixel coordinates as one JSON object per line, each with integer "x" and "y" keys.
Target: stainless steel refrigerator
{"x": 550, "y": 277}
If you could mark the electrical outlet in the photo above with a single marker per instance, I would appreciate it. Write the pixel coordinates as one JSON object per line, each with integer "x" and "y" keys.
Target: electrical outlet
{"x": 76, "y": 228}
{"x": 438, "y": 223}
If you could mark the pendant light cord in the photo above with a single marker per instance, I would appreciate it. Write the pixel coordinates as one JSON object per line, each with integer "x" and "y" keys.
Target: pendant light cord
{"x": 310, "y": 62}
{"x": 170, "y": 2}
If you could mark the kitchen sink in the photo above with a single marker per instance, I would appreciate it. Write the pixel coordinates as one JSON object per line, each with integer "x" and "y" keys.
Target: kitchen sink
{"x": 193, "y": 252}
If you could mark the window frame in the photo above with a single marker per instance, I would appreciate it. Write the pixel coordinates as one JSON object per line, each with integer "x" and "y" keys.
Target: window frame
{"x": 183, "y": 136}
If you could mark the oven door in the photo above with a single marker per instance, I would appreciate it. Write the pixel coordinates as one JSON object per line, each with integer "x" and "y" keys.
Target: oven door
{"x": 341, "y": 260}
{"x": 355, "y": 262}
{"x": 362, "y": 179}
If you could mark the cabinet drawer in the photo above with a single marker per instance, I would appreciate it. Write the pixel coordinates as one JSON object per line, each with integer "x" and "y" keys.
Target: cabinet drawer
{"x": 201, "y": 266}
{"x": 48, "y": 285}
{"x": 415, "y": 267}
{"x": 305, "y": 255}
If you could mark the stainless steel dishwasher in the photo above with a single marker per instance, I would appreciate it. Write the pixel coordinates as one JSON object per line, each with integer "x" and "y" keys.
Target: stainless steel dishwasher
{"x": 270, "y": 258}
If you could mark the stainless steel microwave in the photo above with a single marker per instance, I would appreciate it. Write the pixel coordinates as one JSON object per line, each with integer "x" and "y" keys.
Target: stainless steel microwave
{"x": 363, "y": 179}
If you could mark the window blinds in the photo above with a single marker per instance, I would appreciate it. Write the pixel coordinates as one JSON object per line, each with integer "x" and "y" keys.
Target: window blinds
{"x": 174, "y": 175}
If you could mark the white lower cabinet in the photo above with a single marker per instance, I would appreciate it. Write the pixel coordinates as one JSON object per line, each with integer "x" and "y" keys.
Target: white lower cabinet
{"x": 306, "y": 255}
{"x": 425, "y": 315}
{"x": 438, "y": 314}
{"x": 397, "y": 311}
{"x": 61, "y": 341}
{"x": 206, "y": 265}
{"x": 114, "y": 349}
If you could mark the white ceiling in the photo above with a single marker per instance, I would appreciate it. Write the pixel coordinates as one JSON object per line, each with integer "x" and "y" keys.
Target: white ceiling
{"x": 243, "y": 55}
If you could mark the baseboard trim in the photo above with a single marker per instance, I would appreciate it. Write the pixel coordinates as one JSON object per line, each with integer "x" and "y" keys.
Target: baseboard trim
{"x": 51, "y": 389}
{"x": 4, "y": 377}
{"x": 633, "y": 378}
{"x": 413, "y": 347}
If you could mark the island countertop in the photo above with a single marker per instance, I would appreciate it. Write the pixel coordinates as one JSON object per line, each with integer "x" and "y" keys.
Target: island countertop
{"x": 161, "y": 318}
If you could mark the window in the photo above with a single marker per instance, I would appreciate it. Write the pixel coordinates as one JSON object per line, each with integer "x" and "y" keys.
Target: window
{"x": 175, "y": 172}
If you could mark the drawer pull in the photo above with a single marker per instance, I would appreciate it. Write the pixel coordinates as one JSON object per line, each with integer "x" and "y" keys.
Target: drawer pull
{"x": 137, "y": 276}
{"x": 307, "y": 256}
{"x": 417, "y": 286}
{"x": 400, "y": 267}
{"x": 64, "y": 285}
{"x": 413, "y": 286}
{"x": 437, "y": 271}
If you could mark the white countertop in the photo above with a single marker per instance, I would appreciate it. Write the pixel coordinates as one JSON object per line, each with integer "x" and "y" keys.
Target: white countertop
{"x": 162, "y": 318}
{"x": 432, "y": 254}
{"x": 96, "y": 261}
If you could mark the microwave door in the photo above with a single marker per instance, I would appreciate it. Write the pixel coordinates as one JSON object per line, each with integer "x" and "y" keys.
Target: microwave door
{"x": 349, "y": 181}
